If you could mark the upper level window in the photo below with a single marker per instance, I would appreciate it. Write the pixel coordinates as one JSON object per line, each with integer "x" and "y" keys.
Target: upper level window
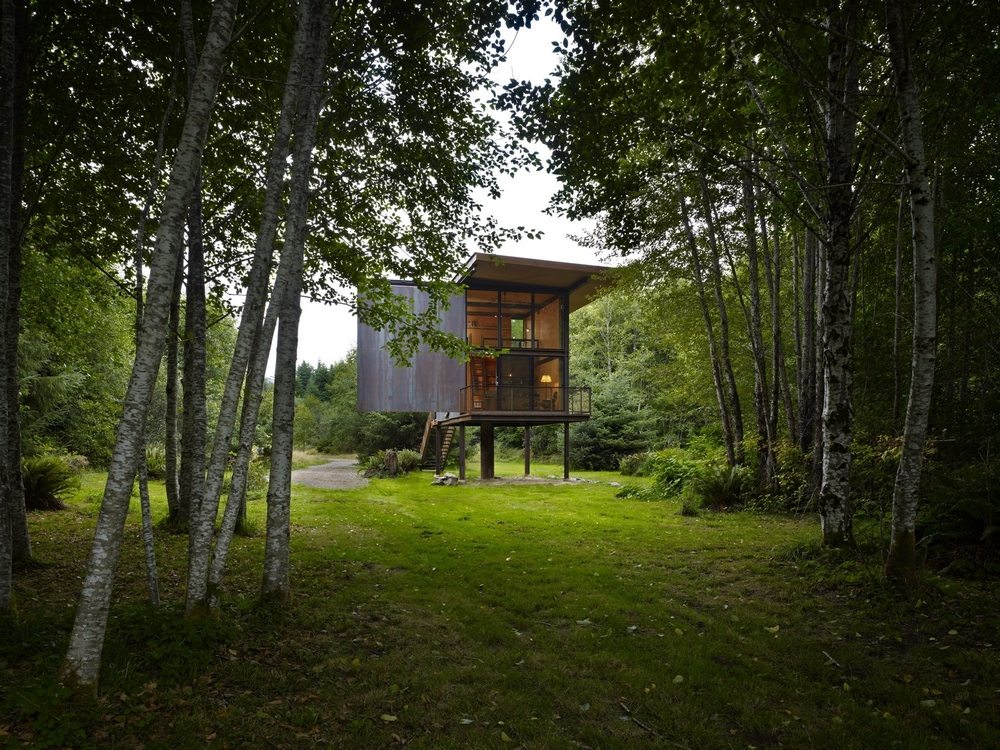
{"x": 481, "y": 321}
{"x": 514, "y": 320}
{"x": 549, "y": 321}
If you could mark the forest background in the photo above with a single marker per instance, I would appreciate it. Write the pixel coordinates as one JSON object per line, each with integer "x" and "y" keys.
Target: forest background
{"x": 765, "y": 175}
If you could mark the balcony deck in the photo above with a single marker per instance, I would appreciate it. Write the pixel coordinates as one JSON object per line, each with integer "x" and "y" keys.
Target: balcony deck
{"x": 522, "y": 405}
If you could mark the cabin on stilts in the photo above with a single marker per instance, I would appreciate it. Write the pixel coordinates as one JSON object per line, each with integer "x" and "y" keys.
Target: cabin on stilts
{"x": 514, "y": 313}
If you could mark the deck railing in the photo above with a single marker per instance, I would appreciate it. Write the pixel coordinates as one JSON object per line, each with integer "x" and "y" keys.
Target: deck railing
{"x": 573, "y": 400}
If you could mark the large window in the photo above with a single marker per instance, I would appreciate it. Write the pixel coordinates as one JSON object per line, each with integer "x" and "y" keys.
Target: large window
{"x": 549, "y": 321}
{"x": 514, "y": 320}
{"x": 481, "y": 321}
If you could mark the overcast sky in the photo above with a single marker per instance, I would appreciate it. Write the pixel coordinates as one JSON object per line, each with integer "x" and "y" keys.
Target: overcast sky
{"x": 327, "y": 333}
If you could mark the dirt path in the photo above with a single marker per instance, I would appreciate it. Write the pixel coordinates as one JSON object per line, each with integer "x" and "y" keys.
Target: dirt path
{"x": 339, "y": 474}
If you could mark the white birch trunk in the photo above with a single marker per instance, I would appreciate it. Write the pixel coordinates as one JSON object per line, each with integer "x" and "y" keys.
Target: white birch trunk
{"x": 842, "y": 87}
{"x": 807, "y": 370}
{"x": 21, "y": 541}
{"x": 901, "y": 563}
{"x": 764, "y": 464}
{"x": 726, "y": 362}
{"x": 897, "y": 324}
{"x": 203, "y": 525}
{"x": 152, "y": 581}
{"x": 171, "y": 483}
{"x": 195, "y": 424}
{"x": 6, "y": 158}
{"x": 699, "y": 283}
{"x": 83, "y": 657}
{"x": 236, "y": 502}
{"x": 275, "y": 585}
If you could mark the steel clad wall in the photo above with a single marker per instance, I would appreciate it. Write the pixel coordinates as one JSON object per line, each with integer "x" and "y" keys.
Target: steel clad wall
{"x": 431, "y": 383}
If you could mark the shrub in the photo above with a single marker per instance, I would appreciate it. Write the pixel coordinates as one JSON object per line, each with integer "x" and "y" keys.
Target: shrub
{"x": 408, "y": 460}
{"x": 671, "y": 468}
{"x": 156, "y": 462}
{"x": 721, "y": 487}
{"x": 961, "y": 507}
{"x": 389, "y": 463}
{"x": 258, "y": 473}
{"x": 46, "y": 480}
{"x": 636, "y": 464}
{"x": 77, "y": 463}
{"x": 636, "y": 492}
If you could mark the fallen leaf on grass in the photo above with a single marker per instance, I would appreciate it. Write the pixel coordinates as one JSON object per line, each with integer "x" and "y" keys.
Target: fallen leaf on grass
{"x": 388, "y": 717}
{"x": 774, "y": 629}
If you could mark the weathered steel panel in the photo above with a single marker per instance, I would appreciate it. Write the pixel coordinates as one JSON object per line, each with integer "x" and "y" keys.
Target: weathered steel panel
{"x": 432, "y": 381}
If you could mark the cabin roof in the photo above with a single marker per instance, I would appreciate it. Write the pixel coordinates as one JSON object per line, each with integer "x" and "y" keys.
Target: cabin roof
{"x": 582, "y": 281}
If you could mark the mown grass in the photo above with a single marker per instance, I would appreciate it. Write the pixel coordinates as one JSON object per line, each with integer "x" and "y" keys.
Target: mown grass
{"x": 509, "y": 615}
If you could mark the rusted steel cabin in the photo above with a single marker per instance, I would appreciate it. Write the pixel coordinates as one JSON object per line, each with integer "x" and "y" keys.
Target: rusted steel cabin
{"x": 517, "y": 309}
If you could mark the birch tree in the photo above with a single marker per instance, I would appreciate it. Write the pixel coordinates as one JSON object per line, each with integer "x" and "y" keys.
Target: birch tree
{"x": 6, "y": 156}
{"x": 21, "y": 541}
{"x": 840, "y": 107}
{"x": 249, "y": 329}
{"x": 901, "y": 563}
{"x": 276, "y": 583}
{"x": 83, "y": 656}
{"x": 717, "y": 378}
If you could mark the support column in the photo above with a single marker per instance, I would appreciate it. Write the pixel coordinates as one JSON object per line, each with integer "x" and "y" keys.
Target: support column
{"x": 461, "y": 451}
{"x": 565, "y": 450}
{"x": 527, "y": 450}
{"x": 486, "y": 451}
{"x": 438, "y": 468}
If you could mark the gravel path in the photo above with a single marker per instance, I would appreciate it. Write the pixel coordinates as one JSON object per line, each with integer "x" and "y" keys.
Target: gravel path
{"x": 339, "y": 474}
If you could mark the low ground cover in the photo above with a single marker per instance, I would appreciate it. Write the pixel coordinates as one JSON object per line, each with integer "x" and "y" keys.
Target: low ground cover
{"x": 509, "y": 615}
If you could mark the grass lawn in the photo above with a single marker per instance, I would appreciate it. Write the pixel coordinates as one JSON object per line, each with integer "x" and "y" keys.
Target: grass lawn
{"x": 503, "y": 616}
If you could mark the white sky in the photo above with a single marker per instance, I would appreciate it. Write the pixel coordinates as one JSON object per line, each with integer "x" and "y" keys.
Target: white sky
{"x": 327, "y": 333}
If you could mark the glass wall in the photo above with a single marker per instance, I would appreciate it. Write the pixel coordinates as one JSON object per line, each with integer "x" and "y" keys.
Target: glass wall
{"x": 481, "y": 321}
{"x": 516, "y": 320}
{"x": 548, "y": 321}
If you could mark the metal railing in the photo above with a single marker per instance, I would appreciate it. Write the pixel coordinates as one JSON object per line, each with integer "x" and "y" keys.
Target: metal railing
{"x": 574, "y": 400}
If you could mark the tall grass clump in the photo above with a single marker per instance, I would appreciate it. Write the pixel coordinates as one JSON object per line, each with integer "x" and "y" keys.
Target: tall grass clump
{"x": 47, "y": 479}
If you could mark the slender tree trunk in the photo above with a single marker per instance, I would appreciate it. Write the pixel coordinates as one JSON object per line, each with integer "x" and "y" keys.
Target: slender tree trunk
{"x": 21, "y": 541}
{"x": 842, "y": 89}
{"x": 275, "y": 585}
{"x": 195, "y": 424}
{"x": 901, "y": 562}
{"x": 83, "y": 657}
{"x": 6, "y": 159}
{"x": 773, "y": 395}
{"x": 780, "y": 369}
{"x": 152, "y": 580}
{"x": 178, "y": 515}
{"x": 764, "y": 462}
{"x": 726, "y": 362}
{"x": 897, "y": 322}
{"x": 796, "y": 284}
{"x": 807, "y": 371}
{"x": 195, "y": 421}
{"x": 250, "y": 322}
{"x": 699, "y": 283}
{"x": 236, "y": 503}
{"x": 819, "y": 381}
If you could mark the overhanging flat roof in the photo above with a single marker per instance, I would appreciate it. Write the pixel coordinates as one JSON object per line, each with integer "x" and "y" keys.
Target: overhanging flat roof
{"x": 582, "y": 281}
